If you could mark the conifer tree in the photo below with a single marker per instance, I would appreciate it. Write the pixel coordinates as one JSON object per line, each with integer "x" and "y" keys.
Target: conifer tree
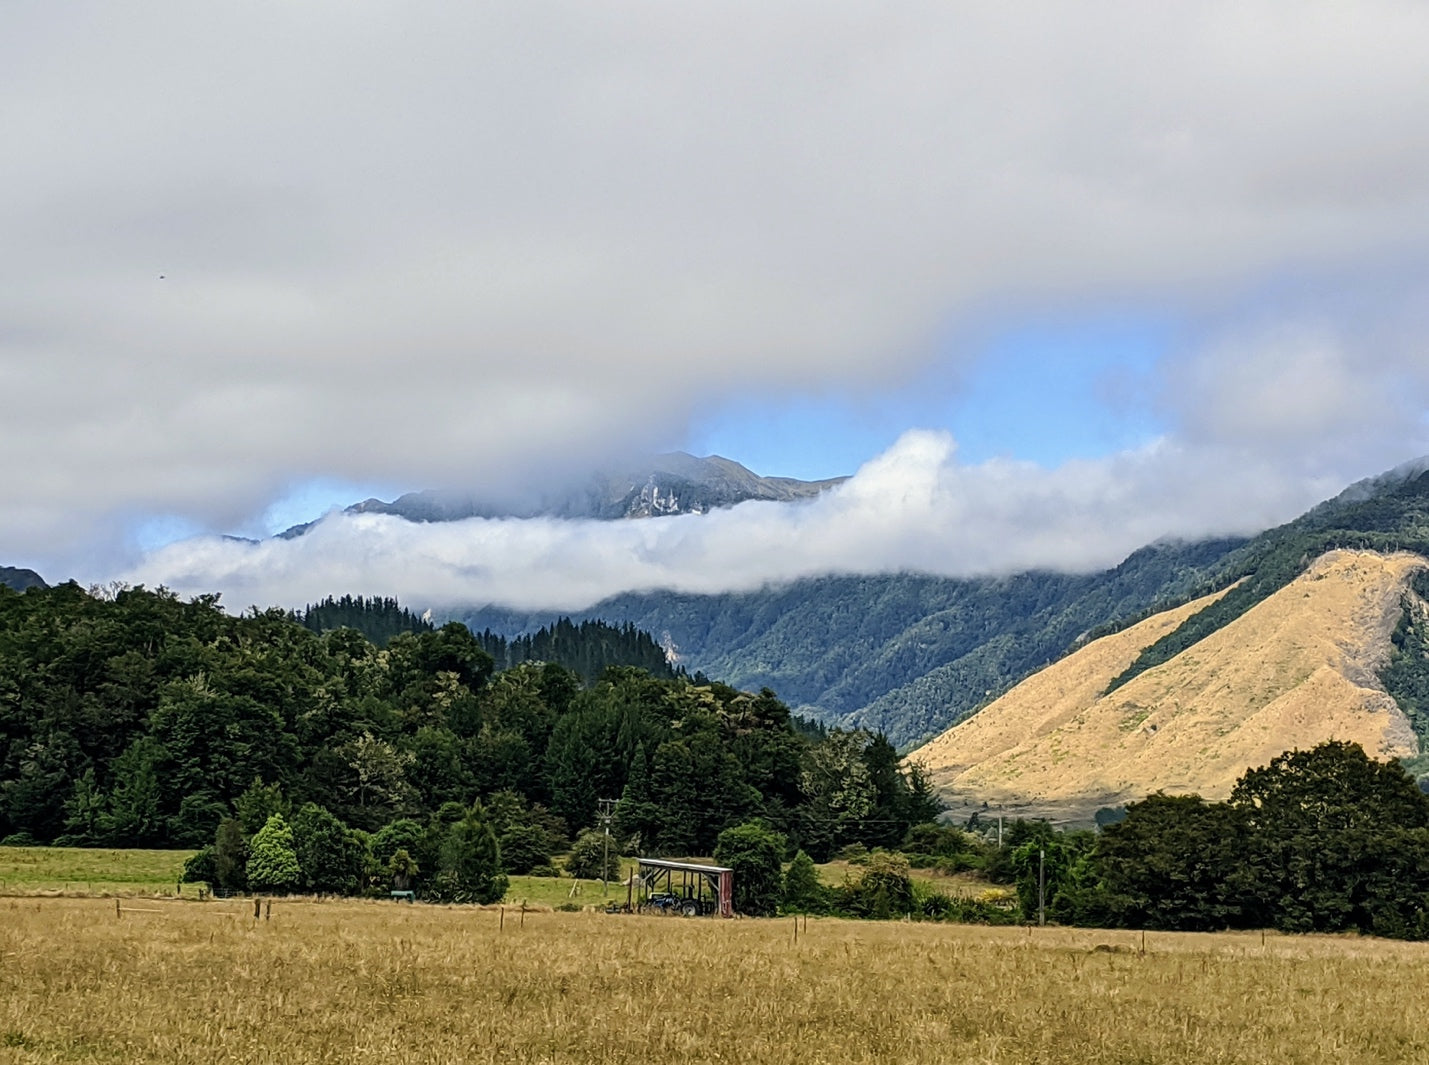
{"x": 470, "y": 869}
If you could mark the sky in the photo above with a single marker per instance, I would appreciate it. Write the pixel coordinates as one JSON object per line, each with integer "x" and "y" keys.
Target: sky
{"x": 1049, "y": 280}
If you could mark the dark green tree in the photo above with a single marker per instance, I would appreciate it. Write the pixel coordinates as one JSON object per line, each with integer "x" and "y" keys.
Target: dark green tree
{"x": 258, "y": 803}
{"x": 756, "y": 855}
{"x": 230, "y": 857}
{"x": 804, "y": 892}
{"x": 470, "y": 863}
{"x": 330, "y": 855}
{"x": 523, "y": 847}
{"x": 1175, "y": 862}
{"x": 403, "y": 834}
{"x": 1315, "y": 819}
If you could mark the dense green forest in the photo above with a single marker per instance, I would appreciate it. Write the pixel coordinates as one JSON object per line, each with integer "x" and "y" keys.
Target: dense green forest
{"x": 377, "y": 619}
{"x": 586, "y": 648}
{"x": 138, "y": 719}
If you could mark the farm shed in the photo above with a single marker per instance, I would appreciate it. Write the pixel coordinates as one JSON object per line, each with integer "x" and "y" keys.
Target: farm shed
{"x": 684, "y": 887}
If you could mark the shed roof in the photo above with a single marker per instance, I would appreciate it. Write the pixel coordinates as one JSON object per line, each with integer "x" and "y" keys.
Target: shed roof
{"x": 693, "y": 867}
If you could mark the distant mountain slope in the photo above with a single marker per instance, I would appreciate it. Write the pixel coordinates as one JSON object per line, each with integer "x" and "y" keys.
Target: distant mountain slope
{"x": 1299, "y": 667}
{"x": 912, "y": 654}
{"x": 676, "y": 483}
{"x": 20, "y": 579}
{"x": 906, "y": 654}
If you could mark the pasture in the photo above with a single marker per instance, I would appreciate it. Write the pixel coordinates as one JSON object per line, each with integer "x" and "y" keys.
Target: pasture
{"x": 363, "y": 981}
{"x": 89, "y": 871}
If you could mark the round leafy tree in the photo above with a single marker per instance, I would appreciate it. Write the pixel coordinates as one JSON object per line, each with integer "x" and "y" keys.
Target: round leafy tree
{"x": 330, "y": 854}
{"x": 523, "y": 847}
{"x": 594, "y": 857}
{"x": 272, "y": 859}
{"x": 756, "y": 854}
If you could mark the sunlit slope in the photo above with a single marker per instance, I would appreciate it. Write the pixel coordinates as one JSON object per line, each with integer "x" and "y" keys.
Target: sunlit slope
{"x": 1296, "y": 669}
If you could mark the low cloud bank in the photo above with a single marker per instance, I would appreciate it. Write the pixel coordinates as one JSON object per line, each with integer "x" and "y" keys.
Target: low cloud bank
{"x": 912, "y": 508}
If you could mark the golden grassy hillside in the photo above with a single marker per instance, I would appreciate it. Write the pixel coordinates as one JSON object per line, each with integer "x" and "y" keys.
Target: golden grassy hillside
{"x": 1295, "y": 670}
{"x": 356, "y": 982}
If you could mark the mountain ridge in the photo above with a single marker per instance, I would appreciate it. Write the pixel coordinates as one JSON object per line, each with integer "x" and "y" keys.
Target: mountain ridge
{"x": 672, "y": 483}
{"x": 19, "y": 579}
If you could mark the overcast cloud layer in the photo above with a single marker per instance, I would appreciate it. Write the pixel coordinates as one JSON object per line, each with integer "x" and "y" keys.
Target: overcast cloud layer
{"x": 438, "y": 244}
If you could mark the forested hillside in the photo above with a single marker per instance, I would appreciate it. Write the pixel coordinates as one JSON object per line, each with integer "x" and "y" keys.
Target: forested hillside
{"x": 910, "y": 655}
{"x": 586, "y": 648}
{"x": 377, "y": 619}
{"x": 905, "y": 654}
{"x": 138, "y": 719}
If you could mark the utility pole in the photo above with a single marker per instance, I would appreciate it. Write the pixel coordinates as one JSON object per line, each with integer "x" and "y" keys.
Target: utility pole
{"x": 605, "y": 816}
{"x": 1041, "y": 886}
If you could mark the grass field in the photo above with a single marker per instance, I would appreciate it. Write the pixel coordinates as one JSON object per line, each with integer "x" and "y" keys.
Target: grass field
{"x": 75, "y": 870}
{"x": 176, "y": 981}
{"x": 82, "y": 871}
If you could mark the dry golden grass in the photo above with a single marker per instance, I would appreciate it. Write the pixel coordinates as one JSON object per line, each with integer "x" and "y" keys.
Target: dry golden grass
{"x": 383, "y": 982}
{"x": 1295, "y": 670}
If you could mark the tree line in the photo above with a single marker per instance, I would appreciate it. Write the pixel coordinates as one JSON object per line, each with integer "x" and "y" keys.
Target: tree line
{"x": 1322, "y": 840}
{"x": 137, "y": 719}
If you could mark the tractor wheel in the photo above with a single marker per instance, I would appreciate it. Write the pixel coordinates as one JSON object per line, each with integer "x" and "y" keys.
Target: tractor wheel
{"x": 690, "y": 908}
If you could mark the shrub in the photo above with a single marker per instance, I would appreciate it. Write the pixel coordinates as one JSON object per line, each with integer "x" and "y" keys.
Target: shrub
{"x": 588, "y": 859}
{"x": 199, "y": 869}
{"x": 523, "y": 847}
{"x": 885, "y": 889}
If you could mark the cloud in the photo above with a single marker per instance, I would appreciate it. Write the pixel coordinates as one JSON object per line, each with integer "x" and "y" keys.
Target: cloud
{"x": 1334, "y": 382}
{"x": 914, "y": 507}
{"x": 439, "y": 244}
